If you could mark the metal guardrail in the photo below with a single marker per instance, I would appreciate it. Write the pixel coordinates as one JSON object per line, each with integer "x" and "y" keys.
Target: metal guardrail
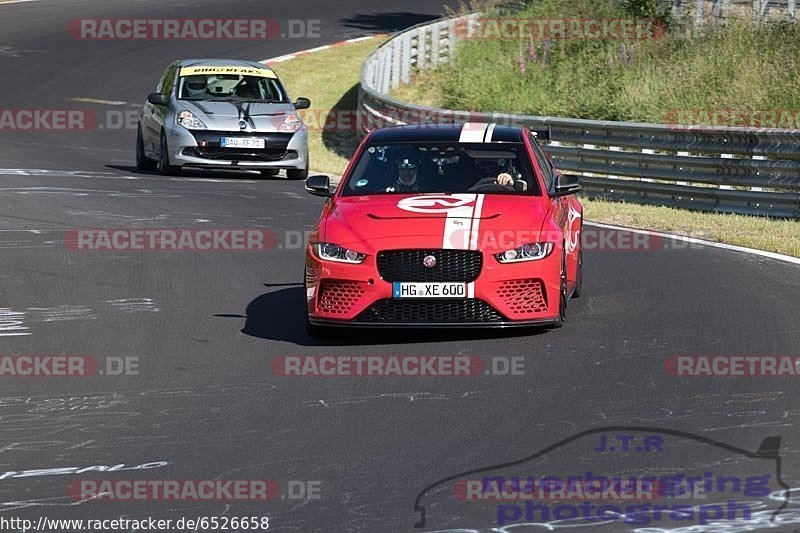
{"x": 733, "y": 170}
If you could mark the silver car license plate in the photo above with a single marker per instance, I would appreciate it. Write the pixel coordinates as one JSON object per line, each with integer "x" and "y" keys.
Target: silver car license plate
{"x": 242, "y": 142}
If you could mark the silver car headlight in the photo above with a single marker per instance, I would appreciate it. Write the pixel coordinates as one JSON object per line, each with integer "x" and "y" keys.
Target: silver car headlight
{"x": 291, "y": 123}
{"x": 334, "y": 252}
{"x": 186, "y": 119}
{"x": 526, "y": 252}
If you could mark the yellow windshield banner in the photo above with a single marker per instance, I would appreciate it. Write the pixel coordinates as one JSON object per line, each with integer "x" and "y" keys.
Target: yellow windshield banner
{"x": 242, "y": 71}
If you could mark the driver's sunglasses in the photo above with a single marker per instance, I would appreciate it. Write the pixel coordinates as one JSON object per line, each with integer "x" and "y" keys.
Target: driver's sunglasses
{"x": 407, "y": 166}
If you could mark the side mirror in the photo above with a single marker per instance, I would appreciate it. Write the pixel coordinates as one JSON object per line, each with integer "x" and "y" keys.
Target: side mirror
{"x": 319, "y": 186}
{"x": 302, "y": 103}
{"x": 157, "y": 99}
{"x": 566, "y": 184}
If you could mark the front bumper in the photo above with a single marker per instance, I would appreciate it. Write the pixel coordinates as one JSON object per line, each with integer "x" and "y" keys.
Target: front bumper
{"x": 502, "y": 295}
{"x": 201, "y": 149}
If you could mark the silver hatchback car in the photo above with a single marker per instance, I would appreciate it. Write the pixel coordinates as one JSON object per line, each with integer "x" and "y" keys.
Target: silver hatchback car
{"x": 222, "y": 114}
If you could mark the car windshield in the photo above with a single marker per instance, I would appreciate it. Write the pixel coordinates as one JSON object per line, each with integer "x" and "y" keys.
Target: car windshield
{"x": 232, "y": 87}
{"x": 402, "y": 168}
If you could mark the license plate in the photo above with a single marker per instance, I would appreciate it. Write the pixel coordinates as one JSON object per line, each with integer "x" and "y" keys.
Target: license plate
{"x": 402, "y": 289}
{"x": 242, "y": 142}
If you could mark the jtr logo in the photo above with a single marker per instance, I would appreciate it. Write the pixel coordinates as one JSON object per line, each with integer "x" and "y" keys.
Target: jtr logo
{"x": 436, "y": 203}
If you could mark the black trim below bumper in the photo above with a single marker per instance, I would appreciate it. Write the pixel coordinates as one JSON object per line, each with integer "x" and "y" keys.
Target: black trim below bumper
{"x": 430, "y": 325}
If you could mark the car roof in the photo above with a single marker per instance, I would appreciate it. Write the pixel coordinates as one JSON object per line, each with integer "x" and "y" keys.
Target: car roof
{"x": 476, "y": 132}
{"x": 222, "y": 63}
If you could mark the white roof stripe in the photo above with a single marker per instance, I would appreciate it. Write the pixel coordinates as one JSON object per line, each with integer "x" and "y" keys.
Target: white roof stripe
{"x": 472, "y": 132}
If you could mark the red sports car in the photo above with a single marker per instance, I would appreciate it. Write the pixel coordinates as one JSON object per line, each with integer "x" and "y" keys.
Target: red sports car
{"x": 466, "y": 225}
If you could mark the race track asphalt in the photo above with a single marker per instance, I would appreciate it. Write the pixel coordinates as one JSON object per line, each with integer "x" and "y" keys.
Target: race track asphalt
{"x": 206, "y": 327}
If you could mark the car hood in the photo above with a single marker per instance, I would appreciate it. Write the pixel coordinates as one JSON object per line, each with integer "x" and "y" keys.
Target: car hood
{"x": 225, "y": 115}
{"x": 491, "y": 222}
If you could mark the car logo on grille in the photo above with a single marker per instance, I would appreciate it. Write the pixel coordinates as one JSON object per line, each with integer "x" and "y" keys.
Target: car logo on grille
{"x": 429, "y": 261}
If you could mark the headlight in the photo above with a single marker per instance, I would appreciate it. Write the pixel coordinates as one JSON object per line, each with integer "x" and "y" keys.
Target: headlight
{"x": 526, "y": 252}
{"x": 334, "y": 252}
{"x": 291, "y": 123}
{"x": 189, "y": 121}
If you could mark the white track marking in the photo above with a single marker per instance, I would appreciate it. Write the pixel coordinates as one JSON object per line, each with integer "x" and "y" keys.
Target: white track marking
{"x": 98, "y": 101}
{"x": 711, "y": 244}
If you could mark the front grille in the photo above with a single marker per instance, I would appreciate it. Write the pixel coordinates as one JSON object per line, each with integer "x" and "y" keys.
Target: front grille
{"x": 451, "y": 265}
{"x": 339, "y": 296}
{"x": 523, "y": 296}
{"x": 236, "y": 154}
{"x": 275, "y": 144}
{"x": 429, "y": 311}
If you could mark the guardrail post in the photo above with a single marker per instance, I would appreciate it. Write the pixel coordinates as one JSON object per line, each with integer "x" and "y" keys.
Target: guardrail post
{"x": 395, "y": 72}
{"x": 387, "y": 69}
{"x": 451, "y": 40}
{"x": 726, "y": 156}
{"x": 682, "y": 182}
{"x": 758, "y": 158}
{"x": 422, "y": 48}
{"x": 407, "y": 58}
{"x": 647, "y": 151}
{"x": 614, "y": 149}
{"x": 436, "y": 35}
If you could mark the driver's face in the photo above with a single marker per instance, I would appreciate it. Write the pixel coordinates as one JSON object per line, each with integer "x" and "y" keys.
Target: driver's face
{"x": 407, "y": 175}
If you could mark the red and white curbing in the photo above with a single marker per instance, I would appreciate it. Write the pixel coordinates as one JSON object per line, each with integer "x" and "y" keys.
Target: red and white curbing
{"x": 286, "y": 57}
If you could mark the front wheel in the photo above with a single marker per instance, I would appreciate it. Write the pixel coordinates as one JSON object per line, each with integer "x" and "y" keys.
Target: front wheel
{"x": 297, "y": 173}
{"x": 143, "y": 163}
{"x": 576, "y": 292}
{"x": 562, "y": 297}
{"x": 164, "y": 168}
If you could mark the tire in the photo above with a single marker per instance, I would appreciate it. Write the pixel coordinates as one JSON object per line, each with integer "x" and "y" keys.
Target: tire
{"x": 576, "y": 292}
{"x": 270, "y": 172}
{"x": 143, "y": 163}
{"x": 562, "y": 304}
{"x": 297, "y": 173}
{"x": 164, "y": 168}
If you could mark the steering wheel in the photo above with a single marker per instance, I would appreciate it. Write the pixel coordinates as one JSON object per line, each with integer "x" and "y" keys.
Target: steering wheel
{"x": 490, "y": 185}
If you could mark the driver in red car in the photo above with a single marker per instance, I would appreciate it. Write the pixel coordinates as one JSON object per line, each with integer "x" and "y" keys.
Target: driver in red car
{"x": 505, "y": 179}
{"x": 406, "y": 176}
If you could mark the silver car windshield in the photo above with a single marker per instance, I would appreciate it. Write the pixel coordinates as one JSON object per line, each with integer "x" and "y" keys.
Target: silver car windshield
{"x": 233, "y": 87}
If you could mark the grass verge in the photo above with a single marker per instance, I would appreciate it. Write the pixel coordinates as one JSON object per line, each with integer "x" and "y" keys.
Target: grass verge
{"x": 672, "y": 78}
{"x": 330, "y": 79}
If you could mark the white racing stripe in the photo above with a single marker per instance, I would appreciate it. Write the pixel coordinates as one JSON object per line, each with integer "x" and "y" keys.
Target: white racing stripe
{"x": 476, "y": 222}
{"x": 472, "y": 132}
{"x": 462, "y": 224}
{"x": 457, "y": 225}
{"x": 489, "y": 132}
